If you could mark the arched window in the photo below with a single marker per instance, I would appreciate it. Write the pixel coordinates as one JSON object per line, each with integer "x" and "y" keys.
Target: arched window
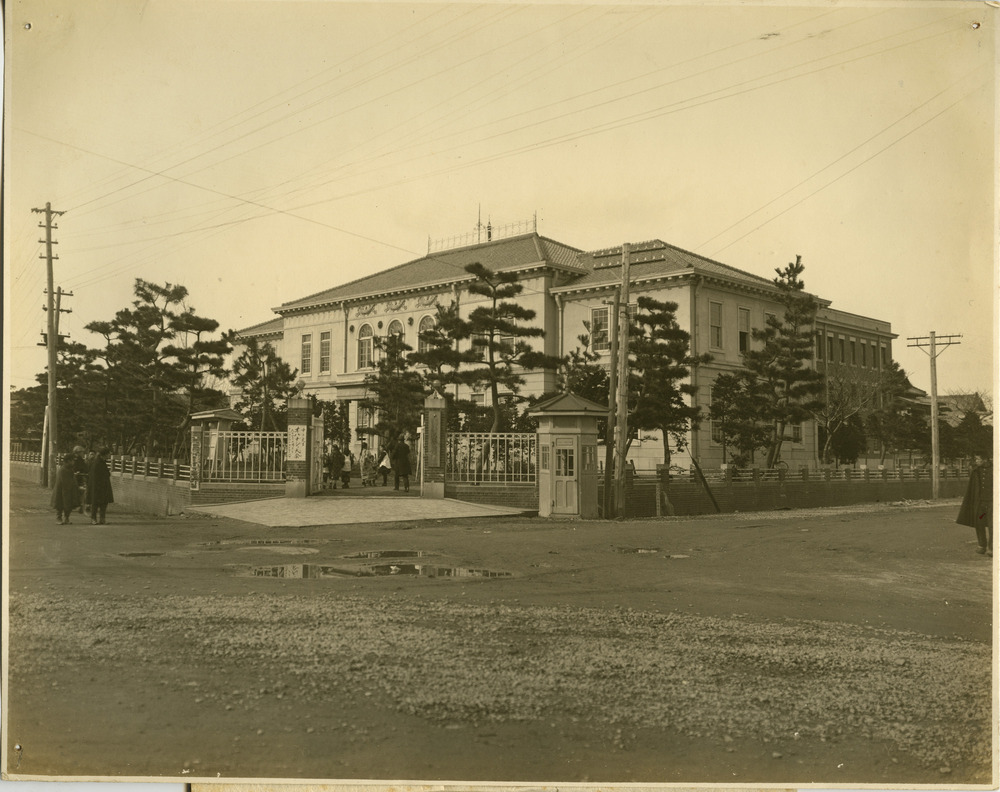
{"x": 395, "y": 329}
{"x": 365, "y": 335}
{"x": 427, "y": 323}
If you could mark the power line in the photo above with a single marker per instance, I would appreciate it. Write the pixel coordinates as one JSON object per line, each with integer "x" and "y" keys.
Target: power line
{"x": 824, "y": 168}
{"x": 845, "y": 173}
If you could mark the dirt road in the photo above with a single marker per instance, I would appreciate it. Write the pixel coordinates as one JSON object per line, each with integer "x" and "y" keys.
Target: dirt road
{"x": 838, "y": 646}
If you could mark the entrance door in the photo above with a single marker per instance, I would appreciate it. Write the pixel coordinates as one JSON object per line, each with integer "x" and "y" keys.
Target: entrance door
{"x": 566, "y": 479}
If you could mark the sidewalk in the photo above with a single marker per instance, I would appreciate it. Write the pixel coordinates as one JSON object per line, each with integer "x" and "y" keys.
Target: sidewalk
{"x": 352, "y": 509}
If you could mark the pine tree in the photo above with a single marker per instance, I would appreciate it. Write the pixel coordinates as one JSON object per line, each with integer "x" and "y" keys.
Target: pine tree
{"x": 660, "y": 390}
{"x": 781, "y": 372}
{"x": 497, "y": 329}
{"x": 265, "y": 382}
{"x": 394, "y": 392}
{"x": 734, "y": 411}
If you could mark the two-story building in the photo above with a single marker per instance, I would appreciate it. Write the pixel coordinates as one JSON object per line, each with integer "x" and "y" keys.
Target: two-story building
{"x": 329, "y": 336}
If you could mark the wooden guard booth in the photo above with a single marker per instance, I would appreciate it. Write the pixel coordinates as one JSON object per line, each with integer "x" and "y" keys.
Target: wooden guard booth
{"x": 568, "y": 475}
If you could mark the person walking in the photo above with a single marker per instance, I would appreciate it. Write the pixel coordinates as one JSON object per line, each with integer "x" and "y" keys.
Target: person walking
{"x": 977, "y": 505}
{"x": 367, "y": 467}
{"x": 99, "y": 493}
{"x": 401, "y": 463}
{"x": 65, "y": 494}
{"x": 336, "y": 463}
{"x": 384, "y": 467}
{"x": 345, "y": 473}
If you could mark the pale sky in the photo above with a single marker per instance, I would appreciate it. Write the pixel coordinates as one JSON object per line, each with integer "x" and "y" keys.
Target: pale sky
{"x": 258, "y": 152}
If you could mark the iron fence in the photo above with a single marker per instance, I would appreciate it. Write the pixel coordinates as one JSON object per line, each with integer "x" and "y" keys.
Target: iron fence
{"x": 244, "y": 456}
{"x": 487, "y": 457}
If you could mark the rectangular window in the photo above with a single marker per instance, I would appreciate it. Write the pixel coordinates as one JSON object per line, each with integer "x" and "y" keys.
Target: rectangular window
{"x": 479, "y": 399}
{"x": 843, "y": 349}
{"x": 324, "y": 353}
{"x": 829, "y": 348}
{"x": 717, "y": 432}
{"x": 819, "y": 347}
{"x": 715, "y": 325}
{"x": 885, "y": 357}
{"x": 854, "y": 353}
{"x": 306, "y": 366}
{"x": 600, "y": 335}
{"x": 796, "y": 430}
{"x": 864, "y": 354}
{"x": 744, "y": 329}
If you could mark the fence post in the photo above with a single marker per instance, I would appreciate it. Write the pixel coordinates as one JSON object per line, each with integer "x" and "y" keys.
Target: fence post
{"x": 177, "y": 469}
{"x": 197, "y": 432}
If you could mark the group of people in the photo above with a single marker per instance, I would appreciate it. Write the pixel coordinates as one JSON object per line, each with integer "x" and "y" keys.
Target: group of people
{"x": 83, "y": 481}
{"x": 340, "y": 465}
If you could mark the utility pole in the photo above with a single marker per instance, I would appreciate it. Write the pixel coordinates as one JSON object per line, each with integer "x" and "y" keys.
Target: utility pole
{"x": 931, "y": 343}
{"x": 52, "y": 342}
{"x": 621, "y": 426}
{"x": 611, "y": 431}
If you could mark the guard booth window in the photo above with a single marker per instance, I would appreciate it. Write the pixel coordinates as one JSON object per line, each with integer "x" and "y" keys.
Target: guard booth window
{"x": 564, "y": 462}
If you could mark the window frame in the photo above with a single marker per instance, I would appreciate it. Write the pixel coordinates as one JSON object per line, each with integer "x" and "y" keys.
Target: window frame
{"x": 325, "y": 346}
{"x": 605, "y": 345}
{"x": 423, "y": 346}
{"x": 712, "y": 328}
{"x": 305, "y": 354}
{"x": 366, "y": 347}
{"x": 742, "y": 335}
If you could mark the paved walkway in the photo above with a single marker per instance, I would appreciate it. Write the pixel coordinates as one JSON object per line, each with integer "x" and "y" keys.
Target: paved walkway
{"x": 327, "y": 510}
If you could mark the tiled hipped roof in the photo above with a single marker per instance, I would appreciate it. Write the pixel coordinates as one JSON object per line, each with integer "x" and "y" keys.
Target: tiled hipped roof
{"x": 447, "y": 267}
{"x": 585, "y": 271}
{"x": 654, "y": 259}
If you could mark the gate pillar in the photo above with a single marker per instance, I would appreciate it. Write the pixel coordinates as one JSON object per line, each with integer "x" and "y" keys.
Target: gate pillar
{"x": 432, "y": 450}
{"x": 299, "y": 452}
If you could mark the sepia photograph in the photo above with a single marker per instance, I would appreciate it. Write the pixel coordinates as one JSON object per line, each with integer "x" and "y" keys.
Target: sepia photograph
{"x": 494, "y": 395}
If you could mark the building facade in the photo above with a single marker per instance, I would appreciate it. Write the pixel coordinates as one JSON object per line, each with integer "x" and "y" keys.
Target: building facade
{"x": 330, "y": 336}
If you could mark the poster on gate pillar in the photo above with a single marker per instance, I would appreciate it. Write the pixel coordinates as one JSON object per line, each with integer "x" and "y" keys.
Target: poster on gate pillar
{"x": 296, "y": 444}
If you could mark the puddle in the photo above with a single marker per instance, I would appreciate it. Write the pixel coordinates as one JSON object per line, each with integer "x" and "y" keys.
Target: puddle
{"x": 425, "y": 570}
{"x": 284, "y": 550}
{"x": 256, "y": 542}
{"x": 639, "y": 550}
{"x": 312, "y": 571}
{"x": 388, "y": 554}
{"x": 139, "y": 555}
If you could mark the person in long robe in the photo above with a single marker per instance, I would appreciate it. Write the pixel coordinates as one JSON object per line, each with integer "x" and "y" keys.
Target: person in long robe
{"x": 65, "y": 494}
{"x": 977, "y": 505}
{"x": 99, "y": 492}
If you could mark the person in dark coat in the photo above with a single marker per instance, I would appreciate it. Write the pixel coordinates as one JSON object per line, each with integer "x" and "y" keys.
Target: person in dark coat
{"x": 401, "y": 463}
{"x": 977, "y": 505}
{"x": 65, "y": 494}
{"x": 335, "y": 464}
{"x": 99, "y": 493}
{"x": 80, "y": 470}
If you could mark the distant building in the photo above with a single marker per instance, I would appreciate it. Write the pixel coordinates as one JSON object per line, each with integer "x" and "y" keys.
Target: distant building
{"x": 329, "y": 336}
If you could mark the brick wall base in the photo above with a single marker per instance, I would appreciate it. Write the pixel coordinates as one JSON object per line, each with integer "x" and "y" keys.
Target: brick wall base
{"x": 515, "y": 496}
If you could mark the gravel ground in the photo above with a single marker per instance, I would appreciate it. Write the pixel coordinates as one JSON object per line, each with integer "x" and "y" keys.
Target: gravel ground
{"x": 763, "y": 649}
